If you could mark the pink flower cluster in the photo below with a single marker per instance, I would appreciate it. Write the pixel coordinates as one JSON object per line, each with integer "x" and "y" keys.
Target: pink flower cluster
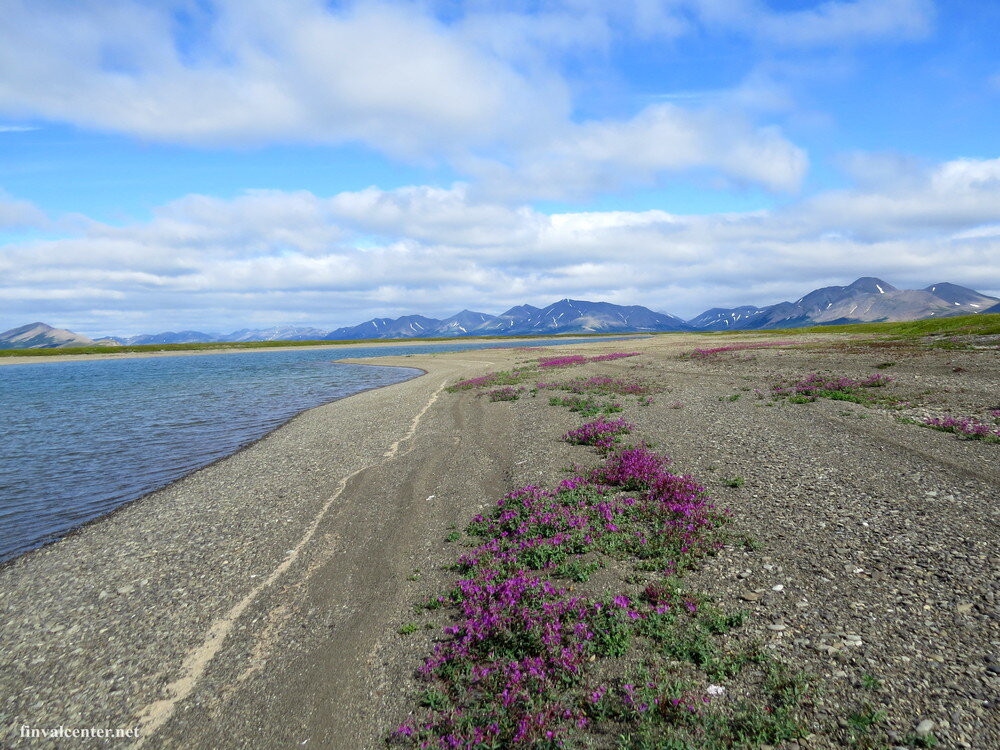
{"x": 631, "y": 469}
{"x": 613, "y": 355}
{"x": 575, "y": 359}
{"x": 480, "y": 382}
{"x": 515, "y": 670}
{"x": 965, "y": 426}
{"x": 600, "y": 384}
{"x": 579, "y": 359}
{"x": 600, "y": 433}
{"x": 816, "y": 384}
{"x": 702, "y": 353}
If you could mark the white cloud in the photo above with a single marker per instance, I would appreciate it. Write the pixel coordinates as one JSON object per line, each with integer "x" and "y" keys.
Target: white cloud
{"x": 275, "y": 257}
{"x": 908, "y": 202}
{"x": 18, "y": 214}
{"x": 435, "y": 215}
{"x": 486, "y": 93}
{"x": 823, "y": 23}
{"x": 388, "y": 75}
{"x": 606, "y": 155}
{"x": 826, "y": 23}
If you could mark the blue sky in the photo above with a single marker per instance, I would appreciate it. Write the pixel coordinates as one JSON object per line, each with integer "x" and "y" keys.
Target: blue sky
{"x": 214, "y": 165}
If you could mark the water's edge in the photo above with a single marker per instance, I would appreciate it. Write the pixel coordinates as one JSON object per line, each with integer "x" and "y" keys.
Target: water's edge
{"x": 85, "y": 525}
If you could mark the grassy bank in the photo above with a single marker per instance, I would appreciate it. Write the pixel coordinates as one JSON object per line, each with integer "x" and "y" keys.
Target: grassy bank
{"x": 959, "y": 325}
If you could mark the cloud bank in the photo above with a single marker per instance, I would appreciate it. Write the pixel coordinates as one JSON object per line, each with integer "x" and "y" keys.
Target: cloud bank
{"x": 488, "y": 91}
{"x": 272, "y": 257}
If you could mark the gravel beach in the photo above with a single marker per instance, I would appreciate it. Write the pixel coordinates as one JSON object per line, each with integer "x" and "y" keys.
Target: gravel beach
{"x": 257, "y": 603}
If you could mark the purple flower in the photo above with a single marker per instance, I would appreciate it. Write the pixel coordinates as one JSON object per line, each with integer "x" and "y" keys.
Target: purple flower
{"x": 601, "y": 432}
{"x": 575, "y": 359}
{"x": 703, "y": 353}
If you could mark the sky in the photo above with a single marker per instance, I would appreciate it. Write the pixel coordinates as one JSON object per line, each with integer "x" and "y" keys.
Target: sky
{"x": 222, "y": 164}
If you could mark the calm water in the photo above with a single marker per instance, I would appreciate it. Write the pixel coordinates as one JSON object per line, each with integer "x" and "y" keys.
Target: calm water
{"x": 79, "y": 439}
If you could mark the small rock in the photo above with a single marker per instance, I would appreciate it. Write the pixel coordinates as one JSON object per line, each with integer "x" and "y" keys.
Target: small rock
{"x": 749, "y": 597}
{"x": 964, "y": 609}
{"x": 924, "y": 728}
{"x": 777, "y": 627}
{"x": 779, "y": 587}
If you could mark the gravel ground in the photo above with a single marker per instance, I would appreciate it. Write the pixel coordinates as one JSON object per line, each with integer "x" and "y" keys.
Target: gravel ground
{"x": 186, "y": 614}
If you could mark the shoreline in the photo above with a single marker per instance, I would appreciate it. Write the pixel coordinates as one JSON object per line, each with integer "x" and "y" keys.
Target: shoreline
{"x": 420, "y": 372}
{"x": 370, "y": 344}
{"x": 129, "y": 559}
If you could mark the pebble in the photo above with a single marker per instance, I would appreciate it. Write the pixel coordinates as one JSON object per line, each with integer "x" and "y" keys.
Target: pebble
{"x": 924, "y": 728}
{"x": 777, "y": 626}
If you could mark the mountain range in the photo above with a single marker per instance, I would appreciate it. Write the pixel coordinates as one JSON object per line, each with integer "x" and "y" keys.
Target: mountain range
{"x": 866, "y": 300}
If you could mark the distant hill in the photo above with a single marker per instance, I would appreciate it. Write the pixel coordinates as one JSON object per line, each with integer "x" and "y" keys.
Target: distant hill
{"x": 276, "y": 333}
{"x": 172, "y": 337}
{"x": 564, "y": 316}
{"x": 41, "y": 336}
{"x": 461, "y": 323}
{"x": 408, "y": 326}
{"x": 867, "y": 300}
{"x": 581, "y": 316}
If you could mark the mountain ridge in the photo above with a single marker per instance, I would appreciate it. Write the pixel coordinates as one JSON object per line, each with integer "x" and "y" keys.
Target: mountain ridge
{"x": 867, "y": 299}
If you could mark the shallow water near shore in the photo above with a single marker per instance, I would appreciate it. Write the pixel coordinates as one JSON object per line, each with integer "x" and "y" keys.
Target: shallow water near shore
{"x": 80, "y": 439}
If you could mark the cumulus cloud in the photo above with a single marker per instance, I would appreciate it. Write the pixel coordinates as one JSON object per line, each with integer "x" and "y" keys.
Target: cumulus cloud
{"x": 660, "y": 138}
{"x": 255, "y": 71}
{"x": 948, "y": 197}
{"x": 277, "y": 257}
{"x": 19, "y": 214}
{"x": 488, "y": 91}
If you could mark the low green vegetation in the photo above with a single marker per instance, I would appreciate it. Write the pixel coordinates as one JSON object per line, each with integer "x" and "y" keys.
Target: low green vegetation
{"x": 958, "y": 325}
{"x": 212, "y": 346}
{"x": 569, "y": 621}
{"x": 863, "y": 726}
{"x": 586, "y": 406}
